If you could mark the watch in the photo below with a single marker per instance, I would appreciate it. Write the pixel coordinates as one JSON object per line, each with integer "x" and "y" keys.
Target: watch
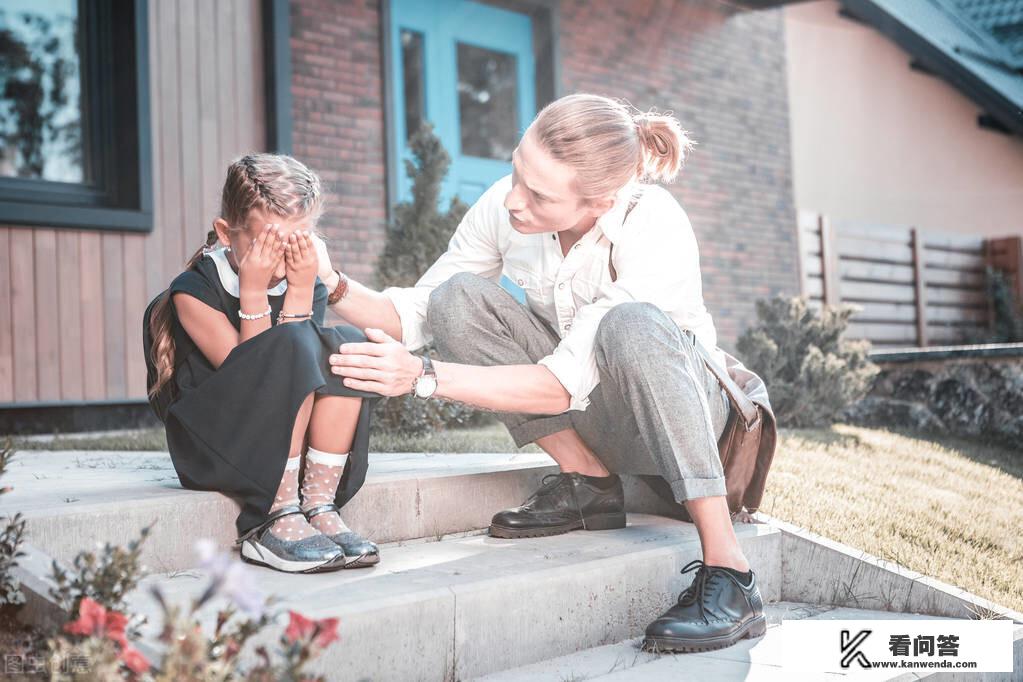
{"x": 426, "y": 383}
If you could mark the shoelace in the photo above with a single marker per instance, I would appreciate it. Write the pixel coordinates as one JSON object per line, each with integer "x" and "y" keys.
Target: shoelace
{"x": 547, "y": 484}
{"x": 696, "y": 592}
{"x": 546, "y": 487}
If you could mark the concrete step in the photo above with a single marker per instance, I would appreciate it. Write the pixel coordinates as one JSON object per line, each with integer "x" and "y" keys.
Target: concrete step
{"x": 73, "y": 500}
{"x": 750, "y": 660}
{"x": 465, "y": 607}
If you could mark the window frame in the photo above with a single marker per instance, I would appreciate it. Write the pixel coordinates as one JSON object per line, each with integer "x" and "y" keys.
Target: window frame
{"x": 545, "y": 16}
{"x": 117, "y": 108}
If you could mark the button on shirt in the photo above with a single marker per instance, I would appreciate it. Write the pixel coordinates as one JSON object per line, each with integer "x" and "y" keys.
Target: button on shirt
{"x": 655, "y": 257}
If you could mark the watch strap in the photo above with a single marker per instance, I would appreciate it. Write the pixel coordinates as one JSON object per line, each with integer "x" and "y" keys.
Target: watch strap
{"x": 428, "y": 370}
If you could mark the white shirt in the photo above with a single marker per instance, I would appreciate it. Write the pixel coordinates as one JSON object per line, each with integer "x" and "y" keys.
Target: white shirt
{"x": 655, "y": 256}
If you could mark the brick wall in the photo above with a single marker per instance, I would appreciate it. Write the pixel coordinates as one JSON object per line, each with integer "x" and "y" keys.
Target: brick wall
{"x": 721, "y": 71}
{"x": 338, "y": 119}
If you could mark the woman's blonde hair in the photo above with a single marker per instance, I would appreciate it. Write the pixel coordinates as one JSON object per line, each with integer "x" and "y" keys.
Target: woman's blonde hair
{"x": 609, "y": 143}
{"x": 275, "y": 184}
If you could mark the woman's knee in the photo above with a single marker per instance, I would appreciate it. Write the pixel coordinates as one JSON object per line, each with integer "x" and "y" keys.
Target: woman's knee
{"x": 630, "y": 326}
{"x": 453, "y": 301}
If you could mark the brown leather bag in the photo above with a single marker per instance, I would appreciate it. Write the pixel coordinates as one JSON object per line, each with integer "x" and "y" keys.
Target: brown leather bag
{"x": 747, "y": 444}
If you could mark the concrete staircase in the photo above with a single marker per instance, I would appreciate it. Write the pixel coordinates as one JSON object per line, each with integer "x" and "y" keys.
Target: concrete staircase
{"x": 448, "y": 602}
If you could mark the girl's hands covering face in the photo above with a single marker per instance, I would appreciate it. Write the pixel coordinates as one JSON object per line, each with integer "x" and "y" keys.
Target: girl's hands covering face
{"x": 301, "y": 259}
{"x": 256, "y": 267}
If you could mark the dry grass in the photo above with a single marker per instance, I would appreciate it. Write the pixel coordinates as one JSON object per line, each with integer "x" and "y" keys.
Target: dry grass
{"x": 950, "y": 509}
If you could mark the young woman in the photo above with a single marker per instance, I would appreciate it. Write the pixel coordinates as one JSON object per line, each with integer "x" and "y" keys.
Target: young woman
{"x": 238, "y": 372}
{"x": 601, "y": 369}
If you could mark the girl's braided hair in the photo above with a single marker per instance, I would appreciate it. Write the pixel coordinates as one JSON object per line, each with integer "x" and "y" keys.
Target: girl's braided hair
{"x": 275, "y": 184}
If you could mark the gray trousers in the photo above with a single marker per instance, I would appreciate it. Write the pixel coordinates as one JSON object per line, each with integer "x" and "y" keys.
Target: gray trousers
{"x": 657, "y": 409}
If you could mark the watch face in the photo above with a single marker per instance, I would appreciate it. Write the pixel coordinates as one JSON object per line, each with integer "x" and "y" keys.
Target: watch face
{"x": 426, "y": 386}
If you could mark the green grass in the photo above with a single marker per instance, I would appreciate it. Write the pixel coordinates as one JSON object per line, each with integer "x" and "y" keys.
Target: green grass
{"x": 490, "y": 438}
{"x": 143, "y": 439}
{"x": 948, "y": 508}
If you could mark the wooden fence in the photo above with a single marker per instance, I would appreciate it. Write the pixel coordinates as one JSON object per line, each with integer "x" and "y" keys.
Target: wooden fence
{"x": 915, "y": 287}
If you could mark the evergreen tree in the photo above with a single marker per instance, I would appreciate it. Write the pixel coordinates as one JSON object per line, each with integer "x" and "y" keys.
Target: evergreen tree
{"x": 419, "y": 235}
{"x": 420, "y": 232}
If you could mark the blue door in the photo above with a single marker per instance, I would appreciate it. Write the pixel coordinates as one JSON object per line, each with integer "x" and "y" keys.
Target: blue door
{"x": 468, "y": 69}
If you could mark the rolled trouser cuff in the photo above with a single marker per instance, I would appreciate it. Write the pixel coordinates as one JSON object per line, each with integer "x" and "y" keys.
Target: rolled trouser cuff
{"x": 529, "y": 431}
{"x": 689, "y": 488}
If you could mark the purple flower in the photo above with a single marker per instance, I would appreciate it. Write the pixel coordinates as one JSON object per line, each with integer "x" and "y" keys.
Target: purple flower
{"x": 230, "y": 576}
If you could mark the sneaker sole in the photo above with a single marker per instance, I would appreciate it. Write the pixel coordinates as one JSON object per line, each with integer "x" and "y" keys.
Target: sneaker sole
{"x": 597, "y": 522}
{"x": 337, "y": 564}
{"x": 251, "y": 553}
{"x": 754, "y": 628}
{"x": 363, "y": 561}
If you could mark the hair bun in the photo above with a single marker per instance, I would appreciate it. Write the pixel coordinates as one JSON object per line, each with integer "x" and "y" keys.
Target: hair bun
{"x": 664, "y": 145}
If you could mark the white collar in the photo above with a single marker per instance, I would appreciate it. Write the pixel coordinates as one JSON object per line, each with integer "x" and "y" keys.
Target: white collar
{"x": 611, "y": 222}
{"x": 229, "y": 278}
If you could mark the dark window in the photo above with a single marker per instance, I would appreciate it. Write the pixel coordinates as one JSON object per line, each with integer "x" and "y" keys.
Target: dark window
{"x": 415, "y": 90}
{"x": 74, "y": 128}
{"x": 487, "y": 102}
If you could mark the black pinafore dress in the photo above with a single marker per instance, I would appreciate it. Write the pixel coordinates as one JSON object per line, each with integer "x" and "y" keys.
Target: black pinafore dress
{"x": 229, "y": 428}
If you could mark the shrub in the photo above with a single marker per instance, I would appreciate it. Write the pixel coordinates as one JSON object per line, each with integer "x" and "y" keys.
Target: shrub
{"x": 96, "y": 643}
{"x": 1008, "y": 313}
{"x": 419, "y": 235}
{"x": 12, "y": 533}
{"x": 812, "y": 373}
{"x": 95, "y": 640}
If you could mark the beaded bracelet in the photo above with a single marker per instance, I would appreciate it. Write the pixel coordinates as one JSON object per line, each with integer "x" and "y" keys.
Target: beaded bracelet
{"x": 255, "y": 317}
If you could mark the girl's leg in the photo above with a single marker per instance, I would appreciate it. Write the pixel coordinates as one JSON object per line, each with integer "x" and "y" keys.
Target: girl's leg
{"x": 331, "y": 433}
{"x": 293, "y": 527}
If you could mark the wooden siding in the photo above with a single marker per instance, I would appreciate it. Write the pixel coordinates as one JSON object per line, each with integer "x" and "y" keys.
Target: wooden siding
{"x": 71, "y": 302}
{"x": 914, "y": 287}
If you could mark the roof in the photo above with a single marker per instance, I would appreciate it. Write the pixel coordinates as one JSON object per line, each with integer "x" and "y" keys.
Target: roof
{"x": 976, "y": 45}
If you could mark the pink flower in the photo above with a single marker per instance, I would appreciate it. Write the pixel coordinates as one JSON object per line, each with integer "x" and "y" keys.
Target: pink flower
{"x": 322, "y": 632}
{"x": 94, "y": 619}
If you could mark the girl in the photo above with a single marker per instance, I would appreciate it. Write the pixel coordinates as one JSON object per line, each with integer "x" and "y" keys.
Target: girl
{"x": 238, "y": 373}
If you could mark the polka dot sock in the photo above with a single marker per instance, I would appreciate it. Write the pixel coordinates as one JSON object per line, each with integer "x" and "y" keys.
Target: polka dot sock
{"x": 293, "y": 526}
{"x": 319, "y": 486}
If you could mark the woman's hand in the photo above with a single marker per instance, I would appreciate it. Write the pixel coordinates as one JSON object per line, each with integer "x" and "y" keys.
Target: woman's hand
{"x": 301, "y": 260}
{"x": 324, "y": 268}
{"x": 382, "y": 365}
{"x": 256, "y": 267}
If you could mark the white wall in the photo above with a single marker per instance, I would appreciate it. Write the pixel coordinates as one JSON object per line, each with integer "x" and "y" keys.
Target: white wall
{"x": 876, "y": 141}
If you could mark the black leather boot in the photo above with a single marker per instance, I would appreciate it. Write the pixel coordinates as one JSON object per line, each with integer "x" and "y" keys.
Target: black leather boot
{"x": 715, "y": 611}
{"x": 564, "y": 502}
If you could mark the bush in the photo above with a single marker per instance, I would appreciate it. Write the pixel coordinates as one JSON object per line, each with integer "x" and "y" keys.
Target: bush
{"x": 419, "y": 235}
{"x": 12, "y": 534}
{"x": 1008, "y": 313}
{"x": 812, "y": 373}
{"x": 96, "y": 639}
